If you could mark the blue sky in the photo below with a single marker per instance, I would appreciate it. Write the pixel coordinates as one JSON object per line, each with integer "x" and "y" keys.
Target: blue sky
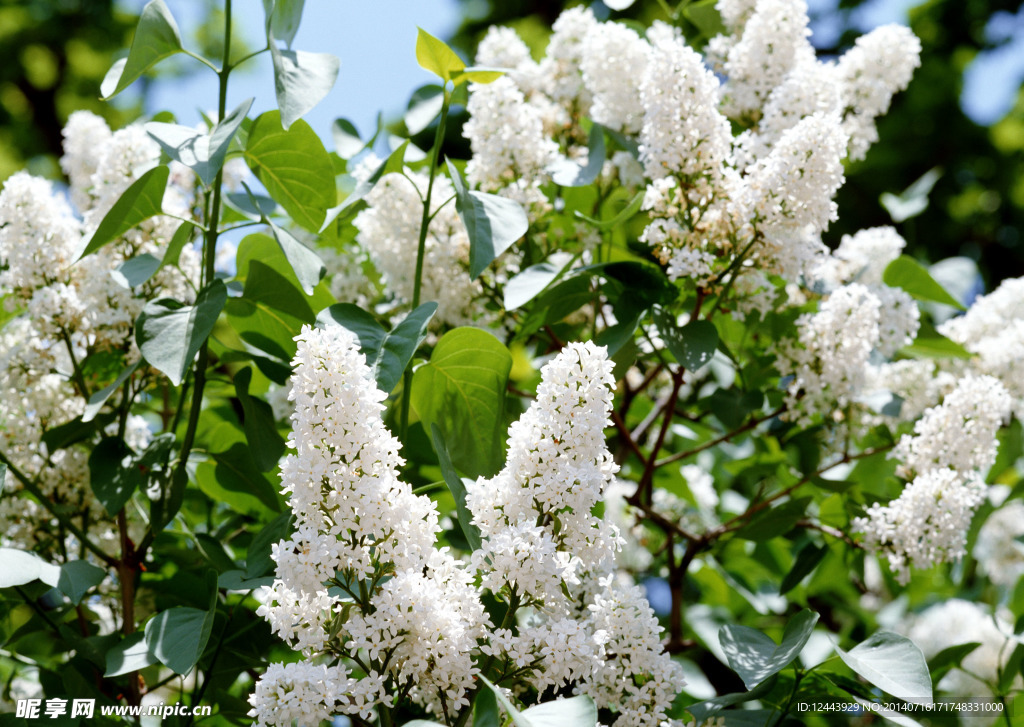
{"x": 376, "y": 41}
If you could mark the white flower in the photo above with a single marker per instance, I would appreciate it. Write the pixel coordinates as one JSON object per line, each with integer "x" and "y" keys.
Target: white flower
{"x": 960, "y": 433}
{"x": 999, "y": 551}
{"x": 613, "y": 57}
{"x": 927, "y": 524}
{"x": 301, "y": 692}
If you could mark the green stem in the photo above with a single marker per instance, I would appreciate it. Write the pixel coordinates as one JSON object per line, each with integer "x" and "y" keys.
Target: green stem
{"x": 417, "y": 284}
{"x": 79, "y": 379}
{"x": 33, "y": 489}
{"x": 209, "y": 258}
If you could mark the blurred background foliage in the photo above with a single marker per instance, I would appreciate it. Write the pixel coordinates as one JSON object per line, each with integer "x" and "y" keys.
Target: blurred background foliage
{"x": 54, "y": 53}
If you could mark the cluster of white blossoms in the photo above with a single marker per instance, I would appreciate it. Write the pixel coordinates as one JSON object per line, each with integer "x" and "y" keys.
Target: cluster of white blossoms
{"x": 714, "y": 199}
{"x": 68, "y": 310}
{"x": 388, "y": 230}
{"x": 360, "y": 582}
{"x": 952, "y": 448}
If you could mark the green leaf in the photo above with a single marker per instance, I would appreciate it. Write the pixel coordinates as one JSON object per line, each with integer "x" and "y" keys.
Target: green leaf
{"x": 529, "y": 283}
{"x": 301, "y": 80}
{"x": 435, "y": 56}
{"x": 136, "y": 271}
{"x": 704, "y": 14}
{"x": 807, "y": 559}
{"x": 264, "y": 284}
{"x": 493, "y": 223}
{"x": 308, "y": 266}
{"x": 112, "y": 475}
{"x": 462, "y": 390}
{"x": 932, "y": 344}
{"x": 265, "y": 443}
{"x": 567, "y": 173}
{"x": 627, "y": 212}
{"x": 181, "y": 237}
{"x": 142, "y": 200}
{"x": 254, "y": 206}
{"x": 132, "y": 654}
{"x": 693, "y": 345}
{"x": 99, "y": 398}
{"x": 21, "y": 567}
{"x": 755, "y": 657}
{"x": 283, "y": 17}
{"x": 3, "y": 477}
{"x": 893, "y": 664}
{"x": 710, "y": 707}
{"x": 77, "y": 577}
{"x": 387, "y": 352}
{"x": 907, "y": 273}
{"x": 68, "y": 433}
{"x": 777, "y": 521}
{"x": 485, "y": 710}
{"x": 236, "y": 471}
{"x": 949, "y": 658}
{"x": 156, "y": 38}
{"x": 477, "y": 74}
{"x": 203, "y": 153}
{"x": 235, "y": 580}
{"x": 913, "y": 200}
{"x": 179, "y": 635}
{"x": 457, "y": 488}
{"x": 293, "y": 166}
{"x": 170, "y": 334}
{"x": 258, "y": 561}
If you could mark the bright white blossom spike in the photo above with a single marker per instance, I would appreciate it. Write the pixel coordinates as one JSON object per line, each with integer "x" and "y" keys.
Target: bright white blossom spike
{"x": 683, "y": 133}
{"x": 880, "y": 64}
{"x": 828, "y": 365}
{"x": 798, "y": 179}
{"x": 774, "y": 41}
{"x": 636, "y": 677}
{"x": 961, "y": 432}
{"x": 300, "y": 692}
{"x": 39, "y": 235}
{"x": 85, "y": 137}
{"x": 511, "y": 151}
{"x": 561, "y": 65}
{"x": 503, "y": 48}
{"x": 993, "y": 329}
{"x": 342, "y": 481}
{"x": 927, "y": 524}
{"x": 735, "y": 12}
{"x": 429, "y": 621}
{"x": 613, "y": 57}
{"x": 392, "y": 218}
{"x": 558, "y": 460}
{"x": 999, "y": 549}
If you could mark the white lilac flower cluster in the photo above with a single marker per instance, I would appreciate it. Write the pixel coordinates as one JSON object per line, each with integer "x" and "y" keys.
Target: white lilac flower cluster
{"x": 764, "y": 196}
{"x": 388, "y": 230}
{"x": 361, "y": 583}
{"x": 952, "y": 448}
{"x": 64, "y": 310}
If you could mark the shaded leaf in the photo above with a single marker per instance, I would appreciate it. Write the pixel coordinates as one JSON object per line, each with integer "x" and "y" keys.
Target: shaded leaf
{"x": 283, "y": 18}
{"x": 394, "y": 163}
{"x": 258, "y": 561}
{"x": 265, "y": 443}
{"x": 169, "y": 334}
{"x": 132, "y": 654}
{"x": 99, "y": 398}
{"x": 693, "y": 345}
{"x": 142, "y": 200}
{"x": 308, "y": 266}
{"x": 807, "y": 559}
{"x": 493, "y": 223}
{"x": 462, "y": 390}
{"x": 179, "y": 635}
{"x": 77, "y": 577}
{"x": 112, "y": 475}
{"x": 136, "y": 271}
{"x": 457, "y": 488}
{"x": 529, "y": 283}
{"x": 346, "y": 139}
{"x": 567, "y": 173}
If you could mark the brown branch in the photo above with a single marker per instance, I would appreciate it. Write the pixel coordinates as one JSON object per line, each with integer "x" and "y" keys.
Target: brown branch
{"x": 718, "y": 440}
{"x": 647, "y": 478}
